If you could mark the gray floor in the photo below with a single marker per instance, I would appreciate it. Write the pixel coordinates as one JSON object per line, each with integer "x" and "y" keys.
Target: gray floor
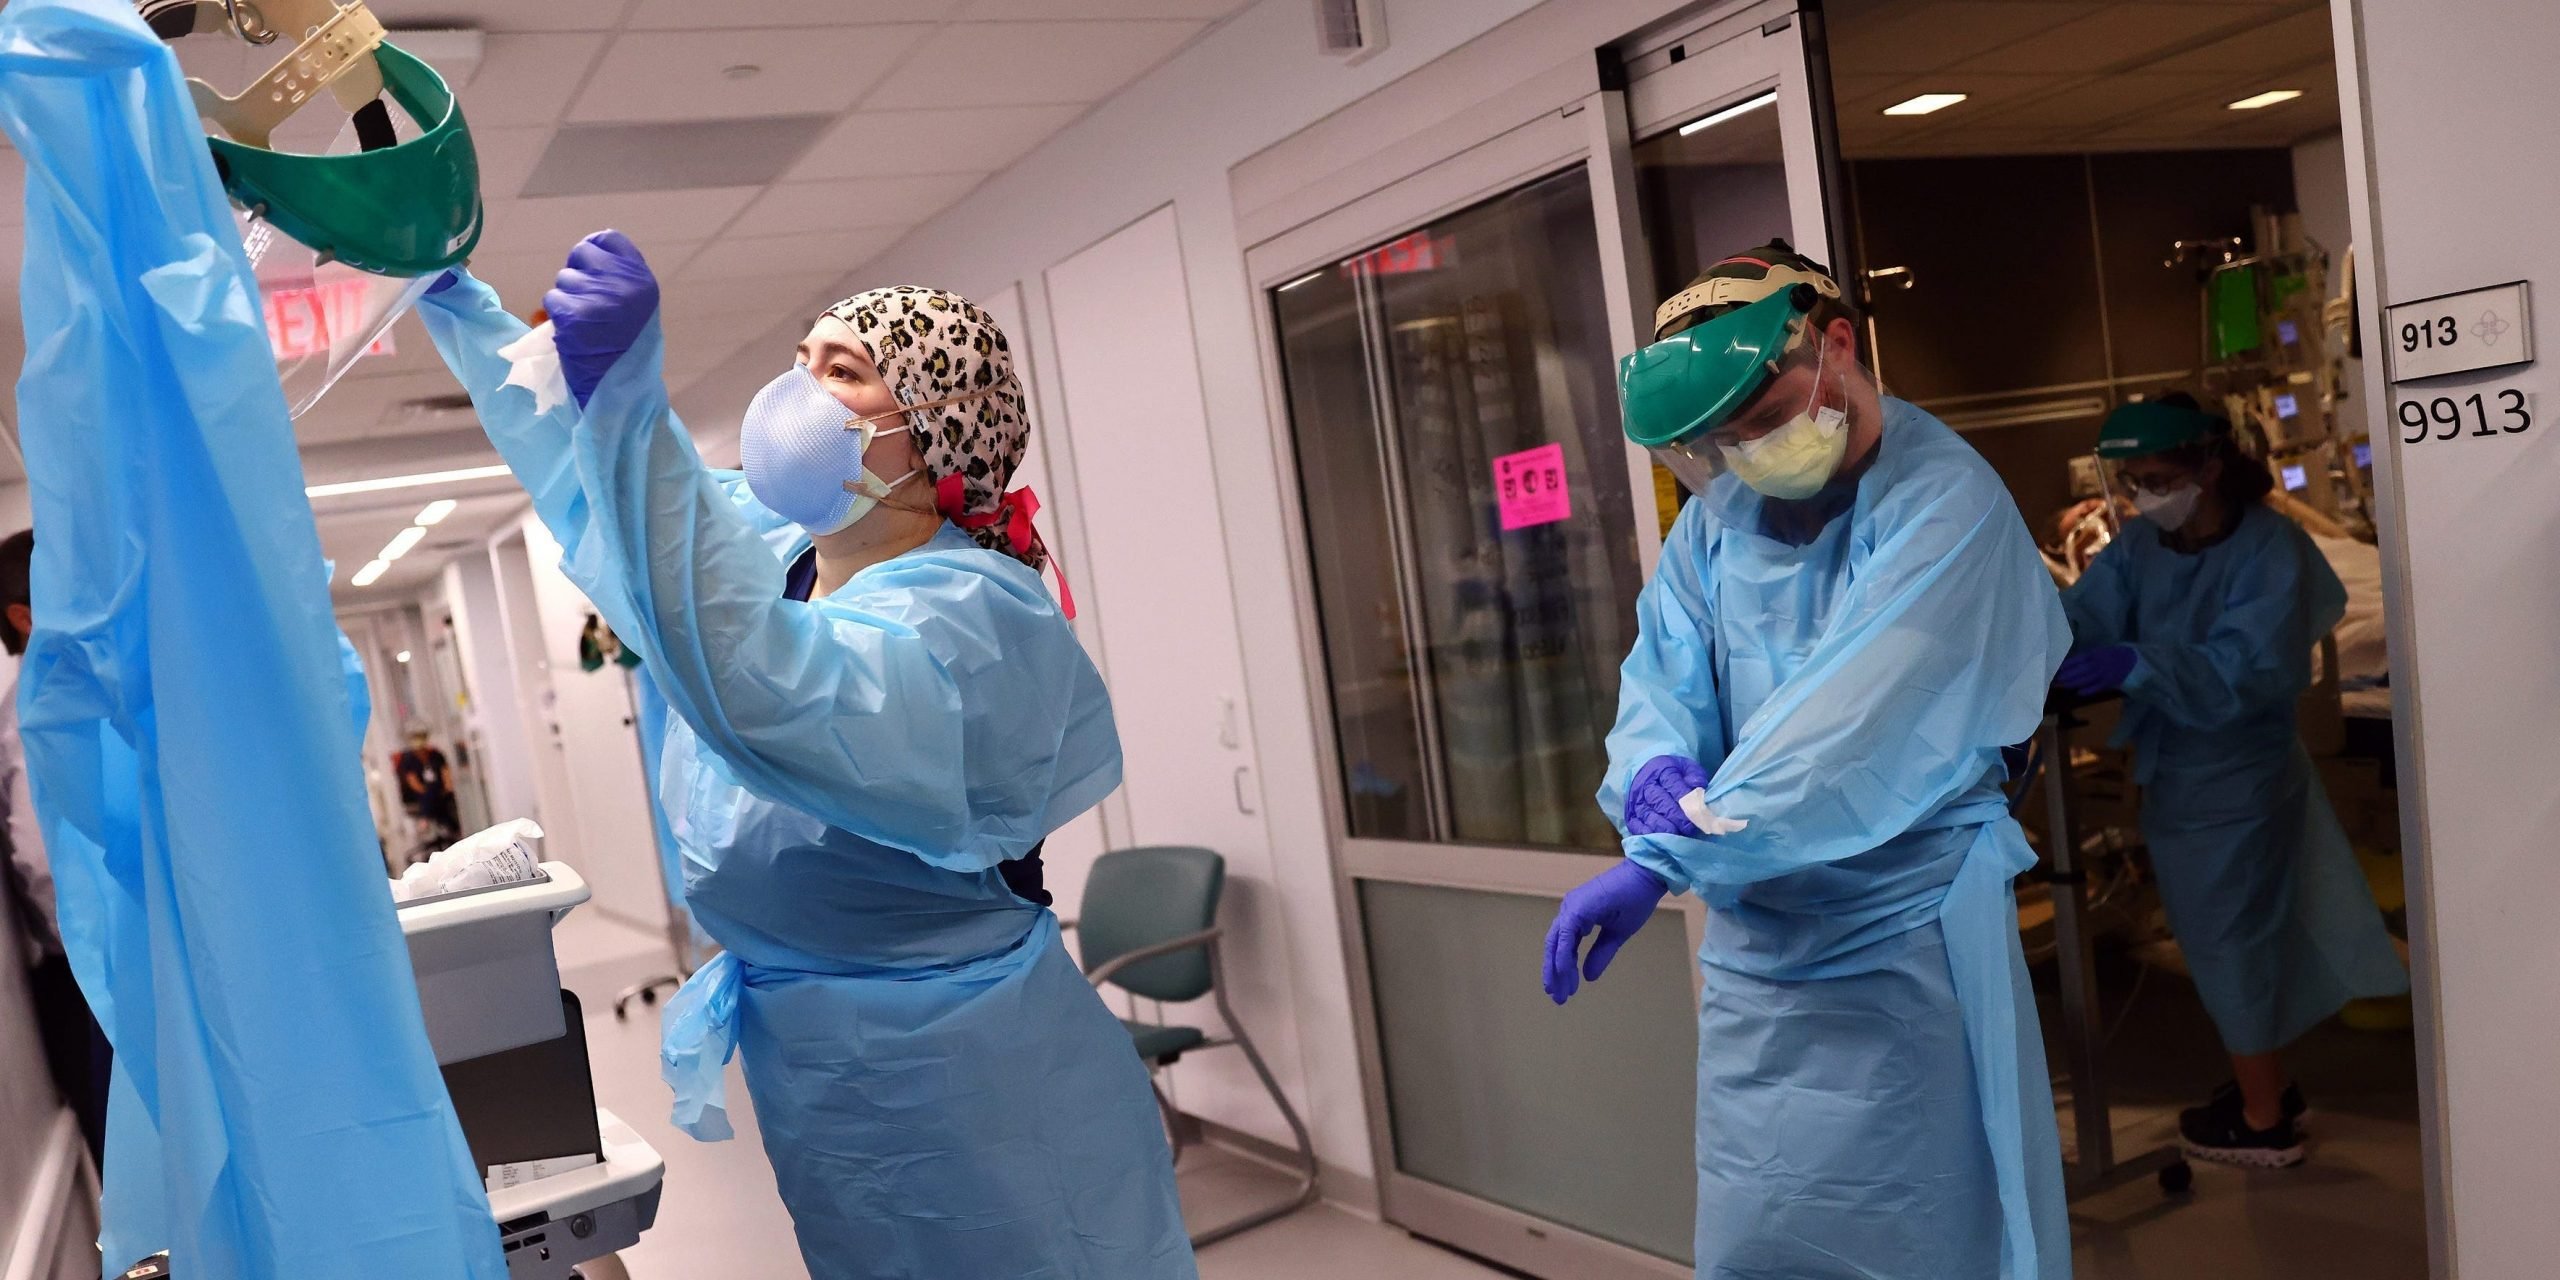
{"x": 2353, "y": 1212}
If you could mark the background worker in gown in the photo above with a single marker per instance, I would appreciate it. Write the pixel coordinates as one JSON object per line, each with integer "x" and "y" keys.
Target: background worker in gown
{"x": 878, "y": 713}
{"x": 2204, "y": 612}
{"x": 1849, "y": 621}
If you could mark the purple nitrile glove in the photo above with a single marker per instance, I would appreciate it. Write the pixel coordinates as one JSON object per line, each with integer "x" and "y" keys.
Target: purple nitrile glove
{"x": 1616, "y": 902}
{"x": 2100, "y": 670}
{"x": 445, "y": 279}
{"x": 1653, "y": 798}
{"x": 598, "y": 306}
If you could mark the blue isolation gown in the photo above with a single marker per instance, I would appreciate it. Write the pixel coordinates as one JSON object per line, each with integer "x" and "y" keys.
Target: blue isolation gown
{"x": 1872, "y": 1096}
{"x": 940, "y": 1092}
{"x": 189, "y": 718}
{"x": 2261, "y": 887}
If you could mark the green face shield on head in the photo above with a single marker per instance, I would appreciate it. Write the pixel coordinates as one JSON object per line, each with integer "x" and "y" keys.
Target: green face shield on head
{"x": 1678, "y": 395}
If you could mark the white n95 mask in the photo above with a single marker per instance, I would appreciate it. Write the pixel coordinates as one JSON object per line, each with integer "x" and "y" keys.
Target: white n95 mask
{"x": 802, "y": 452}
{"x": 2168, "y": 510}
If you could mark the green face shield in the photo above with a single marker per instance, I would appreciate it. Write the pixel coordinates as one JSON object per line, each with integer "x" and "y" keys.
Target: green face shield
{"x": 344, "y": 235}
{"x": 408, "y": 209}
{"x": 1678, "y": 394}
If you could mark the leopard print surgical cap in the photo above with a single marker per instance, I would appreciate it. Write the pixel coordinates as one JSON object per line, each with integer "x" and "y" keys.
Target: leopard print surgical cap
{"x": 931, "y": 344}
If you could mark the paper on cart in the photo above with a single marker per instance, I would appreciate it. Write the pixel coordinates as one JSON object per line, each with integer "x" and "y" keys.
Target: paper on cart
{"x": 503, "y": 1176}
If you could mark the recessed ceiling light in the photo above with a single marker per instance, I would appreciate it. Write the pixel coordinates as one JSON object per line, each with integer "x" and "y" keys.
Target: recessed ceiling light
{"x": 437, "y": 510}
{"x": 371, "y": 573}
{"x": 401, "y": 543}
{"x": 1924, "y": 104}
{"x": 2267, "y": 99}
{"x": 345, "y": 487}
{"x": 402, "y": 656}
{"x": 1742, "y": 108}
{"x": 741, "y": 71}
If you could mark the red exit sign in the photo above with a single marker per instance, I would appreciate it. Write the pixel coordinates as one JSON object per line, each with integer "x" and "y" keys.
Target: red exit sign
{"x": 308, "y": 321}
{"x": 1420, "y": 251}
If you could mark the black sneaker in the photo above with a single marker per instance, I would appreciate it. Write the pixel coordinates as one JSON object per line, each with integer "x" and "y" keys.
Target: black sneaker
{"x": 2223, "y": 1135}
{"x": 2227, "y": 1095}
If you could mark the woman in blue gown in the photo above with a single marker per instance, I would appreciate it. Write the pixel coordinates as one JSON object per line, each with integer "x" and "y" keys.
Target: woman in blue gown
{"x": 2203, "y": 612}
{"x": 878, "y": 713}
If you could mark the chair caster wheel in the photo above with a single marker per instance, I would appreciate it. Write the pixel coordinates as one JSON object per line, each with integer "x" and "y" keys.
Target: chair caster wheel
{"x": 2176, "y": 1178}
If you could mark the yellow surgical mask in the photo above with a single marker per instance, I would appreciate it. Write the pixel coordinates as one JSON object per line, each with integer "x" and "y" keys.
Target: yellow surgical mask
{"x": 1796, "y": 460}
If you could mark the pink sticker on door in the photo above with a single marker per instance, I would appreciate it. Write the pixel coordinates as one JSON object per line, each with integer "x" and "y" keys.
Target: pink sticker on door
{"x": 1531, "y": 487}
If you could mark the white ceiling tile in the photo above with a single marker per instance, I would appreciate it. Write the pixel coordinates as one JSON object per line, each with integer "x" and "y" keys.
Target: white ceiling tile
{"x": 1910, "y": 38}
{"x": 768, "y": 295}
{"x": 2107, "y": 100}
{"x": 998, "y": 63}
{"x": 1208, "y": 10}
{"x": 2288, "y": 41}
{"x": 875, "y": 144}
{"x": 527, "y": 79}
{"x": 1981, "y": 91}
{"x": 684, "y": 75}
{"x": 507, "y": 157}
{"x": 2111, "y": 37}
{"x": 552, "y": 224}
{"x": 794, "y": 208}
{"x": 826, "y": 256}
{"x": 503, "y": 15}
{"x": 727, "y": 15}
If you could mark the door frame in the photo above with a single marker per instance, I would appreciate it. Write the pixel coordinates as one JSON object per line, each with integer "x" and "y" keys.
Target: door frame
{"x": 1598, "y": 107}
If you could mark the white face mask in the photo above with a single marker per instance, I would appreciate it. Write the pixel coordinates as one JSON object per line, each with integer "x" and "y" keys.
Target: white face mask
{"x": 2168, "y": 510}
{"x": 802, "y": 451}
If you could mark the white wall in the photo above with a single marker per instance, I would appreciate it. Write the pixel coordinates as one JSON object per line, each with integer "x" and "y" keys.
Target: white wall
{"x": 1171, "y": 138}
{"x": 494, "y": 717}
{"x": 2457, "y": 100}
{"x": 600, "y": 750}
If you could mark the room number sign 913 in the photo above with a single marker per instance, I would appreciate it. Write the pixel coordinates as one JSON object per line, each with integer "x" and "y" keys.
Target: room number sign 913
{"x": 2502, "y": 411}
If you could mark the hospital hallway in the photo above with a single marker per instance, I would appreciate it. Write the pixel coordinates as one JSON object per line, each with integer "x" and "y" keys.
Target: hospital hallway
{"x": 720, "y": 1215}
{"x": 2351, "y": 1211}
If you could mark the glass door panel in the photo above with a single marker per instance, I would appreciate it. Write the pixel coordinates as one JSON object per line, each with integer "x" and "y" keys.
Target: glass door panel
{"x": 1472, "y": 534}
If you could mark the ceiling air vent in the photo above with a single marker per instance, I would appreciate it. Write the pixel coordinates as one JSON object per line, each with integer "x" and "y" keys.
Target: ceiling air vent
{"x": 1351, "y": 29}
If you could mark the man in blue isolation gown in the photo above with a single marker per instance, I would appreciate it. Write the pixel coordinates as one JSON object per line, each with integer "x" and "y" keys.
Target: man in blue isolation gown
{"x": 275, "y": 1109}
{"x": 1848, "y": 623}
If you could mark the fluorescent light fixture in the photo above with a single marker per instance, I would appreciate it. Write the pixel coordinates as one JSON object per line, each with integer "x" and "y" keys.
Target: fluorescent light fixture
{"x": 1924, "y": 104}
{"x": 370, "y": 574}
{"x": 437, "y": 510}
{"x": 2267, "y": 99}
{"x": 1308, "y": 278}
{"x": 403, "y": 482}
{"x": 402, "y": 656}
{"x": 1742, "y": 108}
{"x": 400, "y": 544}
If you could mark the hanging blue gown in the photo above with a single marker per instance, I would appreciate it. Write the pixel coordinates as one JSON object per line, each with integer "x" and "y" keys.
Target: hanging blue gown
{"x": 2260, "y": 884}
{"x": 940, "y": 1092}
{"x": 1872, "y": 1096}
{"x": 190, "y": 714}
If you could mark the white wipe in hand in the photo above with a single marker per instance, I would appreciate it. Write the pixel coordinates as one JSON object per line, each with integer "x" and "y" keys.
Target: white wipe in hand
{"x": 533, "y": 363}
{"x": 503, "y": 854}
{"x": 1694, "y": 804}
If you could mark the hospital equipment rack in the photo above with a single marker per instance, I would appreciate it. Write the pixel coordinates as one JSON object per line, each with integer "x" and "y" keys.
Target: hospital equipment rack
{"x": 2095, "y": 1167}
